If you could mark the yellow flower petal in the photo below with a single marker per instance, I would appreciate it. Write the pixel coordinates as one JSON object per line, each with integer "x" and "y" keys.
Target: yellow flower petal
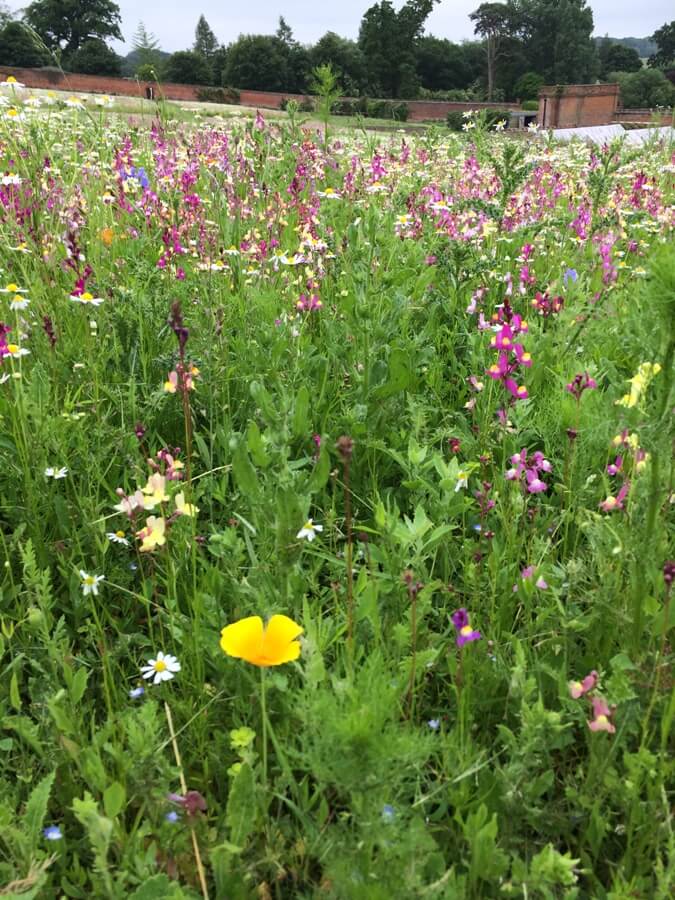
{"x": 279, "y": 644}
{"x": 243, "y": 639}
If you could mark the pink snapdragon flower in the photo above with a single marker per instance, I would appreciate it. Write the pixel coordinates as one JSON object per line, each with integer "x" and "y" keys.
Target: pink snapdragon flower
{"x": 579, "y": 688}
{"x": 601, "y": 716}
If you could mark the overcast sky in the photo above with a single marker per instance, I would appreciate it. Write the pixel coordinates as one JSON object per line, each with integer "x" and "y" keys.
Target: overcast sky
{"x": 174, "y": 23}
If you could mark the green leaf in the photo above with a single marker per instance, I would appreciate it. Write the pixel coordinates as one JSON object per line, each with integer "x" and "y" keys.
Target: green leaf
{"x": 14, "y": 696}
{"x": 256, "y": 445}
{"x": 114, "y": 799}
{"x": 301, "y": 413}
{"x": 240, "y": 815}
{"x": 400, "y": 375}
{"x": 244, "y": 473}
{"x": 159, "y": 887}
{"x": 79, "y": 685}
{"x": 321, "y": 472}
{"x": 36, "y": 809}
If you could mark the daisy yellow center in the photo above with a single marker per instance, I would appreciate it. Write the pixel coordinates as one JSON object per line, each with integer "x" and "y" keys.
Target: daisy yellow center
{"x": 466, "y": 631}
{"x": 89, "y": 579}
{"x": 119, "y": 534}
{"x": 602, "y": 720}
{"x": 13, "y": 348}
{"x": 13, "y": 288}
{"x": 12, "y": 112}
{"x": 87, "y": 296}
{"x": 309, "y": 525}
{"x": 160, "y": 666}
{"x": 11, "y": 80}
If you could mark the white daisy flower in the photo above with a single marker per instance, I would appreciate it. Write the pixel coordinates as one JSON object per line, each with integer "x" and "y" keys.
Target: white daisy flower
{"x": 11, "y": 82}
{"x": 18, "y": 302}
{"x": 161, "y": 669}
{"x": 56, "y": 473}
{"x": 117, "y": 537}
{"x": 462, "y": 481}
{"x": 309, "y": 530}
{"x": 10, "y": 179}
{"x": 87, "y": 299}
{"x": 12, "y": 288}
{"x": 90, "y": 583}
{"x": 15, "y": 351}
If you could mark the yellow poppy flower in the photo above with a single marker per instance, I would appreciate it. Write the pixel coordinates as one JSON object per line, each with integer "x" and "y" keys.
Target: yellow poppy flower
{"x": 271, "y": 646}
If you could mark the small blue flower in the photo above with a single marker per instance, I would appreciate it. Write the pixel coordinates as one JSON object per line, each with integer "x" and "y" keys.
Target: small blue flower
{"x": 570, "y": 275}
{"x": 477, "y": 527}
{"x": 434, "y": 724}
{"x": 172, "y": 816}
{"x": 133, "y": 567}
{"x": 136, "y": 692}
{"x": 52, "y": 833}
{"x": 388, "y": 812}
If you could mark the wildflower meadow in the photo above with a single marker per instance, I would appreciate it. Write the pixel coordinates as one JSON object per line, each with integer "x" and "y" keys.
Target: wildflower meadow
{"x": 335, "y": 484}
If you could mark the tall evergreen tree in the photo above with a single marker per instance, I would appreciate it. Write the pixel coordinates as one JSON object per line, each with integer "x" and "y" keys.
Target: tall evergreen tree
{"x": 206, "y": 43}
{"x": 146, "y": 47}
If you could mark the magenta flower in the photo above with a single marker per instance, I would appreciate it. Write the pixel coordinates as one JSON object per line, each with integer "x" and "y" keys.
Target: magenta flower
{"x": 465, "y": 633}
{"x": 611, "y": 504}
{"x": 579, "y": 384}
{"x": 601, "y": 716}
{"x": 579, "y": 688}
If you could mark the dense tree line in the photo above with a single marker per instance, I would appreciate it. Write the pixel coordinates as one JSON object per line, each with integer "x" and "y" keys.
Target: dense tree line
{"x": 519, "y": 45}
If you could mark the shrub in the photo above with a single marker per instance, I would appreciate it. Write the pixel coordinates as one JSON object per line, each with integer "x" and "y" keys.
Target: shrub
{"x": 187, "y": 67}
{"x": 94, "y": 57}
{"x": 647, "y": 88}
{"x": 219, "y": 95}
{"x": 387, "y": 109}
{"x": 528, "y": 85}
{"x": 530, "y": 105}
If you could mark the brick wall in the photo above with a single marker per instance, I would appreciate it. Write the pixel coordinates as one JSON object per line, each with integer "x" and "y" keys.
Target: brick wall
{"x": 419, "y": 110}
{"x": 643, "y": 115}
{"x": 575, "y": 105}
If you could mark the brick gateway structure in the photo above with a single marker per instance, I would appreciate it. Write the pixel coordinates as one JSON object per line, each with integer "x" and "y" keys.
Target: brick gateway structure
{"x": 576, "y": 105}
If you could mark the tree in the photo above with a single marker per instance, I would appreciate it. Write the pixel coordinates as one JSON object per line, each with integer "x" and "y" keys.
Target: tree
{"x": 664, "y": 38}
{"x": 18, "y": 47}
{"x": 206, "y": 43}
{"x": 557, "y": 40}
{"x": 5, "y": 15}
{"x": 257, "y": 62}
{"x": 388, "y": 41}
{"x": 616, "y": 57}
{"x": 188, "y": 67}
{"x": 67, "y": 24}
{"x": 441, "y": 65}
{"x": 95, "y": 58}
{"x": 494, "y": 22}
{"x": 146, "y": 48}
{"x": 285, "y": 32}
{"x": 345, "y": 58}
{"x": 647, "y": 88}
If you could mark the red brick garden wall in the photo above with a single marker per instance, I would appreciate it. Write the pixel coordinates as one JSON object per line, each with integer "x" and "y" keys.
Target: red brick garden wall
{"x": 419, "y": 110}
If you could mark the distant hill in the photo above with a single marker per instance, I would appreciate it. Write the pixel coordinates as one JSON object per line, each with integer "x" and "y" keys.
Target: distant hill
{"x": 644, "y": 46}
{"x": 130, "y": 62}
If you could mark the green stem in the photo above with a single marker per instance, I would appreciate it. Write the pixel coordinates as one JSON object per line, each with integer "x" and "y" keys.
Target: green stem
{"x": 263, "y": 712}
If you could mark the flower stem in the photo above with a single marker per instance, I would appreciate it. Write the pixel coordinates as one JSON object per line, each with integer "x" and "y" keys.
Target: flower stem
{"x": 183, "y": 785}
{"x": 263, "y": 712}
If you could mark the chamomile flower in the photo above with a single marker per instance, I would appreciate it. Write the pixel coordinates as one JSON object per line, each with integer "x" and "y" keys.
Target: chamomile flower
{"x": 50, "y": 472}
{"x": 309, "y": 531}
{"x": 163, "y": 668}
{"x": 90, "y": 583}
{"x": 12, "y": 288}
{"x": 18, "y": 303}
{"x": 10, "y": 179}
{"x": 11, "y": 82}
{"x": 86, "y": 299}
{"x": 15, "y": 351}
{"x": 117, "y": 537}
